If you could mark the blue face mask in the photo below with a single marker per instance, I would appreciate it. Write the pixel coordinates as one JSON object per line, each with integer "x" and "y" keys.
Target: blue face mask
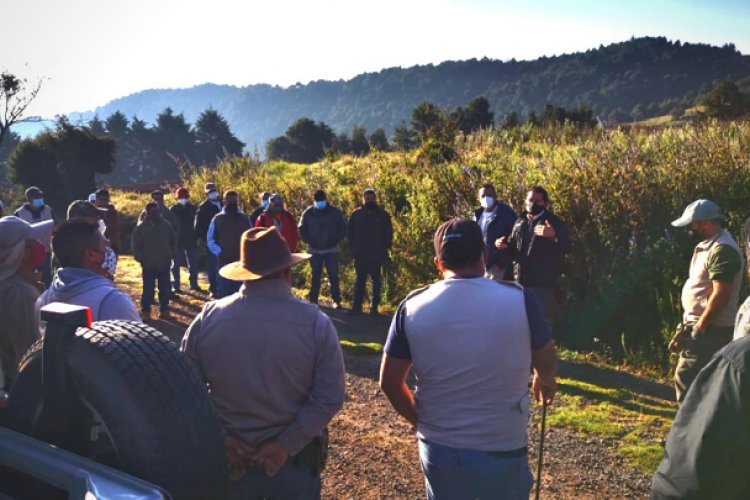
{"x": 37, "y": 202}
{"x": 487, "y": 201}
{"x": 320, "y": 205}
{"x": 264, "y": 203}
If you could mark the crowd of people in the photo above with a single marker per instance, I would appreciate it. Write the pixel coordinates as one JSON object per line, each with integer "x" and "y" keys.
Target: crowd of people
{"x": 274, "y": 364}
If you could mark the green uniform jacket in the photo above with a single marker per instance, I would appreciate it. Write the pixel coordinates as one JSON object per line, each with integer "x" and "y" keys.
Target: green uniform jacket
{"x": 153, "y": 245}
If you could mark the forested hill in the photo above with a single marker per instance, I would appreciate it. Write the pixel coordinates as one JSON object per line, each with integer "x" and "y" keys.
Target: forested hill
{"x": 637, "y": 79}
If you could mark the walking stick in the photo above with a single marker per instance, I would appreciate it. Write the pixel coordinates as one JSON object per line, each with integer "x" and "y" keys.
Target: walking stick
{"x": 541, "y": 446}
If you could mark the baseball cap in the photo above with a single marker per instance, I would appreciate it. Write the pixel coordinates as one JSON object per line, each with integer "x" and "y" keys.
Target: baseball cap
{"x": 276, "y": 200}
{"x": 83, "y": 208}
{"x": 210, "y": 186}
{"x": 14, "y": 229}
{"x": 458, "y": 241}
{"x": 182, "y": 193}
{"x": 698, "y": 210}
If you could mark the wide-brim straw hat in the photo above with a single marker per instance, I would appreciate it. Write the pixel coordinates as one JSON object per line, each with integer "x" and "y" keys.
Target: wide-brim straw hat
{"x": 263, "y": 252}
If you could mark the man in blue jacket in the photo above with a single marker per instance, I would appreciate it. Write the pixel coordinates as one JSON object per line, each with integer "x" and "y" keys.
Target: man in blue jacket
{"x": 322, "y": 227}
{"x": 496, "y": 220}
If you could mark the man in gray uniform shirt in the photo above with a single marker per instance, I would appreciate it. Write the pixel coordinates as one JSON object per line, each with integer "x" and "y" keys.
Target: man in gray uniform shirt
{"x": 275, "y": 370}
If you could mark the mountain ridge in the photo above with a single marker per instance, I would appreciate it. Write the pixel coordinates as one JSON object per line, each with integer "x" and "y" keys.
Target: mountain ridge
{"x": 624, "y": 81}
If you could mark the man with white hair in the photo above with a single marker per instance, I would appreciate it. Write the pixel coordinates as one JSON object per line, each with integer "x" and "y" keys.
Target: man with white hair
{"x": 21, "y": 252}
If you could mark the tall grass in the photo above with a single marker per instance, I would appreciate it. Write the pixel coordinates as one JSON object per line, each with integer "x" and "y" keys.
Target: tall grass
{"x": 616, "y": 189}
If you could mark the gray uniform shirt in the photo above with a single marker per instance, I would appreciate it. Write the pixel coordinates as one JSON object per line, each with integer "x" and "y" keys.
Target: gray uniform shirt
{"x": 273, "y": 364}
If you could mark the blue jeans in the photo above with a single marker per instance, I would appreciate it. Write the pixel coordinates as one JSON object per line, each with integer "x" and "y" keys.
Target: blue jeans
{"x": 331, "y": 261}
{"x": 212, "y": 271}
{"x": 290, "y": 483}
{"x": 453, "y": 473}
{"x": 365, "y": 268}
{"x": 227, "y": 287}
{"x": 150, "y": 277}
{"x": 185, "y": 257}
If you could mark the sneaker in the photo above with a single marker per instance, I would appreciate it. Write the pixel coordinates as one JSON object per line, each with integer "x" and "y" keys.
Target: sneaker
{"x": 165, "y": 314}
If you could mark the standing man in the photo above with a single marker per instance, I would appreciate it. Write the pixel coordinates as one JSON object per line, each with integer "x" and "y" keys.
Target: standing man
{"x": 276, "y": 216}
{"x": 88, "y": 265}
{"x": 710, "y": 295}
{"x": 21, "y": 253}
{"x": 187, "y": 248}
{"x": 154, "y": 246}
{"x": 470, "y": 342}
{"x": 275, "y": 385}
{"x": 496, "y": 220}
{"x": 205, "y": 213}
{"x": 536, "y": 246}
{"x": 264, "y": 196}
{"x": 322, "y": 227}
{"x": 370, "y": 235}
{"x": 224, "y": 236}
{"x": 114, "y": 225}
{"x": 33, "y": 212}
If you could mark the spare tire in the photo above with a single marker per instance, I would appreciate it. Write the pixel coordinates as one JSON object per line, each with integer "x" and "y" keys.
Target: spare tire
{"x": 139, "y": 405}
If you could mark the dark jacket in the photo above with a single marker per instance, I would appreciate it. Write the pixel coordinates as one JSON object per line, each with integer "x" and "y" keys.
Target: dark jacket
{"x": 255, "y": 214}
{"x": 206, "y": 211}
{"x": 501, "y": 224}
{"x": 370, "y": 234}
{"x": 227, "y": 234}
{"x": 322, "y": 229}
{"x": 708, "y": 447}
{"x": 185, "y": 217}
{"x": 153, "y": 245}
{"x": 285, "y": 223}
{"x": 114, "y": 228}
{"x": 537, "y": 260}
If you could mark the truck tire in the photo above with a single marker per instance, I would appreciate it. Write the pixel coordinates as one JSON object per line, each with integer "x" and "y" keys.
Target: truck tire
{"x": 140, "y": 407}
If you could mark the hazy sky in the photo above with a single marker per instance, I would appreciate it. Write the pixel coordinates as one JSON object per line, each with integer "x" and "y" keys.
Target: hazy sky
{"x": 92, "y": 51}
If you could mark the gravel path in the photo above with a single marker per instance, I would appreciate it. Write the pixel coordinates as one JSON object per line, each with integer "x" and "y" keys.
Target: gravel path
{"x": 373, "y": 452}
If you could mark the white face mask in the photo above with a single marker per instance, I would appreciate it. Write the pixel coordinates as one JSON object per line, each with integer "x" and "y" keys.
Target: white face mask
{"x": 487, "y": 201}
{"x": 213, "y": 196}
{"x": 183, "y": 201}
{"x": 110, "y": 262}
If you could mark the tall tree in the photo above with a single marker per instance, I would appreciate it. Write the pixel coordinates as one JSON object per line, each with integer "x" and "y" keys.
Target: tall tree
{"x": 305, "y": 141}
{"x": 116, "y": 125}
{"x": 6, "y": 148}
{"x": 725, "y": 102}
{"x": 15, "y": 96}
{"x": 214, "y": 139}
{"x": 475, "y": 115}
{"x": 378, "y": 140}
{"x": 360, "y": 145}
{"x": 404, "y": 138}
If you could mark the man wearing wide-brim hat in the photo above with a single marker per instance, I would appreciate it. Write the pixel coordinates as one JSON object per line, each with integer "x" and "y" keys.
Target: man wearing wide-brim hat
{"x": 710, "y": 295}
{"x": 275, "y": 368}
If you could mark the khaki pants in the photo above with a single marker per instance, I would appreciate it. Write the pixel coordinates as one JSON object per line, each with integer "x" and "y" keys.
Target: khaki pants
{"x": 697, "y": 354}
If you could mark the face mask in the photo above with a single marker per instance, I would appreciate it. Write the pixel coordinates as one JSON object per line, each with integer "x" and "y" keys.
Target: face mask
{"x": 371, "y": 205}
{"x": 534, "y": 208}
{"x": 487, "y": 201}
{"x": 37, "y": 254}
{"x": 232, "y": 208}
{"x": 183, "y": 201}
{"x": 264, "y": 204}
{"x": 213, "y": 196}
{"x": 320, "y": 205}
{"x": 109, "y": 264}
{"x": 102, "y": 226}
{"x": 37, "y": 202}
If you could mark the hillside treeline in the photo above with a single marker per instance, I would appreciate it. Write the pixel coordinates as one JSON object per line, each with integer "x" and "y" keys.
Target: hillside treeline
{"x": 616, "y": 189}
{"x": 622, "y": 82}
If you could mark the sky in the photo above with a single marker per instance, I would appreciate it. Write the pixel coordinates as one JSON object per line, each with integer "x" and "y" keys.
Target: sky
{"x": 89, "y": 52}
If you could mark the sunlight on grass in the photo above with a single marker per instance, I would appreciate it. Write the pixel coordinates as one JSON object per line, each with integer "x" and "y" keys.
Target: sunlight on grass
{"x": 633, "y": 423}
{"x": 361, "y": 347}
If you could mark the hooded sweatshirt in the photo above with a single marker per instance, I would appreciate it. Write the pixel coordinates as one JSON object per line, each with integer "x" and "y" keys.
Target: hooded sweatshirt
{"x": 81, "y": 287}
